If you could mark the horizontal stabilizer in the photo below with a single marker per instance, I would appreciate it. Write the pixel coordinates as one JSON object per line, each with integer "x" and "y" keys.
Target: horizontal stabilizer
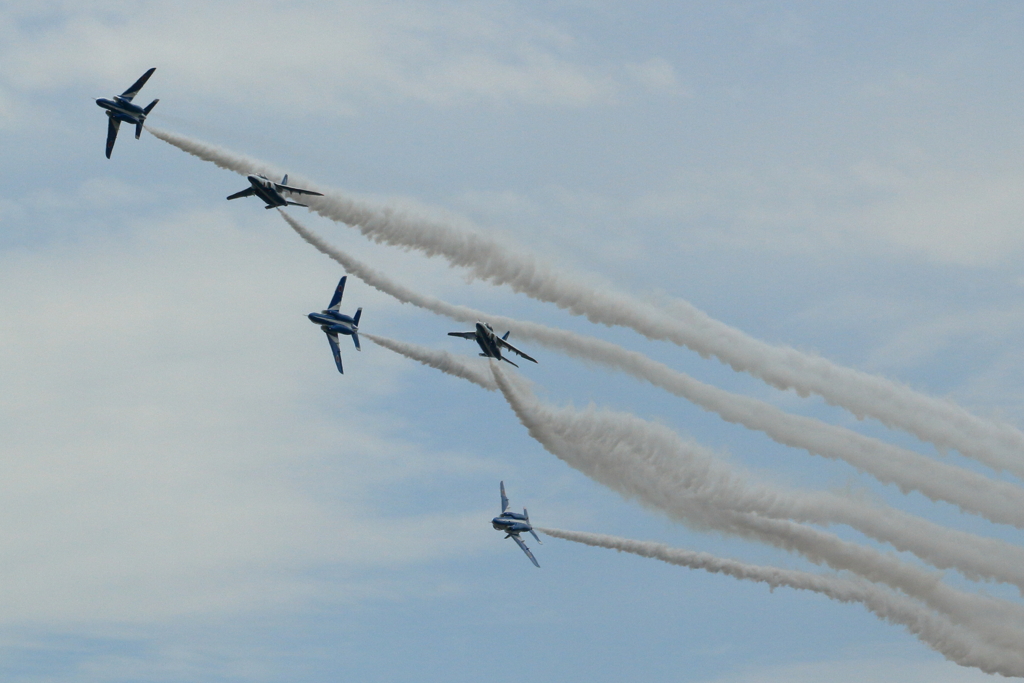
{"x": 138, "y": 130}
{"x": 526, "y": 517}
{"x": 150, "y": 107}
{"x": 508, "y": 361}
{"x": 357, "y": 316}
{"x": 355, "y": 340}
{"x": 504, "y": 498}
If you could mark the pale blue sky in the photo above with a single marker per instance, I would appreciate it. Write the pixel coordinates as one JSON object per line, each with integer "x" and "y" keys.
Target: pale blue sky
{"x": 192, "y": 493}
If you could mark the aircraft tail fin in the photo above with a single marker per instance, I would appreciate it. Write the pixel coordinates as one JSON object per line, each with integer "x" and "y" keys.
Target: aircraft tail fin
{"x": 505, "y": 338}
{"x": 534, "y": 533}
{"x": 357, "y": 316}
{"x": 150, "y": 107}
{"x": 284, "y": 180}
{"x": 355, "y": 340}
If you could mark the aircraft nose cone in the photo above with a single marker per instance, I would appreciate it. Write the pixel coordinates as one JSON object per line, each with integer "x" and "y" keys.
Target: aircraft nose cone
{"x": 312, "y": 317}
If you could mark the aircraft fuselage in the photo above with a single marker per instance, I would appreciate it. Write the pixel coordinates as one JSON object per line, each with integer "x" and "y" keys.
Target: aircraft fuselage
{"x": 486, "y": 340}
{"x": 265, "y": 190}
{"x": 122, "y": 110}
{"x": 333, "y": 321}
{"x": 511, "y": 523}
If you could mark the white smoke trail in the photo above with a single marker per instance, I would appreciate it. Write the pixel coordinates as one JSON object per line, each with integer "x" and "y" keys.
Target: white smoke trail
{"x": 478, "y": 372}
{"x": 997, "y": 501}
{"x": 935, "y": 631}
{"x": 672, "y": 460}
{"x": 629, "y": 456}
{"x": 935, "y": 420}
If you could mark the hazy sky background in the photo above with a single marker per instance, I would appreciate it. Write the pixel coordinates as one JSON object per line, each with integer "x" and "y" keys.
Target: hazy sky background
{"x": 190, "y": 492}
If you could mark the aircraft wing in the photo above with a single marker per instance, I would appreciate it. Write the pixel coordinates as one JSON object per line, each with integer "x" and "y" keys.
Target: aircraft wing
{"x": 527, "y": 551}
{"x": 137, "y": 86}
{"x": 112, "y": 127}
{"x": 244, "y": 193}
{"x": 504, "y": 498}
{"x": 338, "y": 293}
{"x": 335, "y": 349}
{"x": 502, "y": 342}
{"x": 296, "y": 190}
{"x": 464, "y": 335}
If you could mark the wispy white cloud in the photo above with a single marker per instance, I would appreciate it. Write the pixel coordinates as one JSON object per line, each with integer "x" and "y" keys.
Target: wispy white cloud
{"x": 313, "y": 55}
{"x": 176, "y": 439}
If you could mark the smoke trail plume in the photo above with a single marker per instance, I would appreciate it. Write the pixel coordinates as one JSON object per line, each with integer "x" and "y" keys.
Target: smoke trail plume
{"x": 629, "y": 456}
{"x": 478, "y": 373}
{"x": 670, "y": 461}
{"x": 997, "y": 501}
{"x": 935, "y": 420}
{"x": 935, "y": 631}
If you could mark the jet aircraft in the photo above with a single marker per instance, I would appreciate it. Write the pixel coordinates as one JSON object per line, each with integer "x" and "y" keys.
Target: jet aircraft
{"x": 334, "y": 323}
{"x": 513, "y": 524}
{"x": 121, "y": 109}
{"x": 490, "y": 343}
{"x": 270, "y": 192}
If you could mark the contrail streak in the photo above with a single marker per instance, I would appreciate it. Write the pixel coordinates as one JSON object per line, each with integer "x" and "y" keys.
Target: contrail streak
{"x": 997, "y": 501}
{"x": 935, "y": 420}
{"x": 646, "y": 451}
{"x": 935, "y": 631}
{"x": 478, "y": 373}
{"x": 629, "y": 456}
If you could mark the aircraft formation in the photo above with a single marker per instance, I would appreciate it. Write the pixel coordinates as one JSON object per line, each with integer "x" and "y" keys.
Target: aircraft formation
{"x": 331, "y": 320}
{"x": 686, "y": 481}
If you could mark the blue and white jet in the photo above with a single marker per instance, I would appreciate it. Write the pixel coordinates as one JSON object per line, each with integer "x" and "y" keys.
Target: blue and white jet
{"x": 490, "y": 343}
{"x": 270, "y": 192}
{"x": 513, "y": 524}
{"x": 334, "y": 323}
{"x": 121, "y": 109}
